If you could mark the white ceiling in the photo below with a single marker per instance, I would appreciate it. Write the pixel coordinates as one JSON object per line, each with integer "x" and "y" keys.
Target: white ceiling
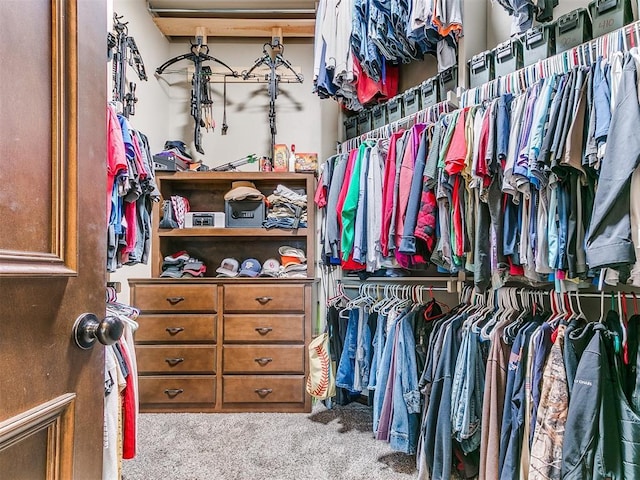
{"x": 233, "y": 8}
{"x": 234, "y": 18}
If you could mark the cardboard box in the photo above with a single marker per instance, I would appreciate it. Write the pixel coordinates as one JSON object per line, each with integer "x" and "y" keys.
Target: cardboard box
{"x": 281, "y": 157}
{"x": 306, "y": 162}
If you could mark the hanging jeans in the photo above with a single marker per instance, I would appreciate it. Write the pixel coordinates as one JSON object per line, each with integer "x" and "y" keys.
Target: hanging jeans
{"x": 608, "y": 242}
{"x": 346, "y": 367}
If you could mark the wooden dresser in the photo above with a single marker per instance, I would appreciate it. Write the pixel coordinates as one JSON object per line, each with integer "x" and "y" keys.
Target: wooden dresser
{"x": 211, "y": 345}
{"x": 224, "y": 344}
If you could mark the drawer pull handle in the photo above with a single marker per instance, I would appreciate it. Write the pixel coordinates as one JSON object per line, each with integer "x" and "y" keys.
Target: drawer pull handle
{"x": 263, "y": 300}
{"x": 175, "y": 300}
{"x": 173, "y": 392}
{"x": 174, "y": 361}
{"x": 263, "y": 392}
{"x": 263, "y": 330}
{"x": 263, "y": 361}
{"x": 174, "y": 330}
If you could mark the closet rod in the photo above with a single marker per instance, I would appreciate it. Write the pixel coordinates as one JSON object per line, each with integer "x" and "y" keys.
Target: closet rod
{"x": 629, "y": 295}
{"x": 583, "y": 54}
{"x": 452, "y": 284}
{"x": 435, "y": 289}
{"x": 429, "y": 114}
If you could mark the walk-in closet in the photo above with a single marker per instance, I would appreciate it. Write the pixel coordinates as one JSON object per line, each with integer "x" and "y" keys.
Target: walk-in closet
{"x": 320, "y": 239}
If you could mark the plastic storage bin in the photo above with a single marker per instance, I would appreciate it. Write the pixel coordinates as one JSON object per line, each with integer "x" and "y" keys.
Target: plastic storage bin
{"x": 429, "y": 92}
{"x": 539, "y": 43}
{"x": 365, "y": 123}
{"x": 351, "y": 127}
{"x": 395, "y": 108}
{"x": 507, "y": 57}
{"x": 448, "y": 80}
{"x": 379, "y": 116}
{"x": 411, "y": 101}
{"x": 572, "y": 29}
{"x": 481, "y": 69}
{"x": 609, "y": 15}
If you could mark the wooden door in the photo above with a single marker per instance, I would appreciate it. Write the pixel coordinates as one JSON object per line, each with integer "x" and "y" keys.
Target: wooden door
{"x": 52, "y": 235}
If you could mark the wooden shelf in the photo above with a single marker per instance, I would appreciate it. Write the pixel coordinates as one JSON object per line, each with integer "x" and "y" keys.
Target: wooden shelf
{"x": 235, "y": 27}
{"x": 231, "y": 232}
{"x": 224, "y": 177}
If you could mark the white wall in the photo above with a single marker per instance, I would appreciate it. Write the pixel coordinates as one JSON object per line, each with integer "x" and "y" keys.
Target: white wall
{"x": 152, "y": 109}
{"x": 302, "y": 118}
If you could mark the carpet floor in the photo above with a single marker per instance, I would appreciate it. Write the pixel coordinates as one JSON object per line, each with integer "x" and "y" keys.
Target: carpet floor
{"x": 334, "y": 444}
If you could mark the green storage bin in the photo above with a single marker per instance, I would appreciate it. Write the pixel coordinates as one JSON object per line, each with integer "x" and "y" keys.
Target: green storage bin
{"x": 379, "y": 115}
{"x": 572, "y": 29}
{"x": 539, "y": 43}
{"x": 507, "y": 57}
{"x": 481, "y": 69}
{"x": 395, "y": 108}
{"x": 411, "y": 101}
{"x": 365, "y": 123}
{"x": 448, "y": 80}
{"x": 429, "y": 91}
{"x": 609, "y": 15}
{"x": 351, "y": 127}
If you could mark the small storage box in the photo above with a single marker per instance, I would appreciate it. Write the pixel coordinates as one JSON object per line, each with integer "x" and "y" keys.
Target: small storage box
{"x": 395, "y": 108}
{"x": 609, "y": 15}
{"x": 507, "y": 57}
{"x": 572, "y": 29}
{"x": 539, "y": 43}
{"x": 204, "y": 219}
{"x": 412, "y": 101}
{"x": 379, "y": 114}
{"x": 481, "y": 69}
{"x": 351, "y": 127}
{"x": 169, "y": 163}
{"x": 448, "y": 80}
{"x": 244, "y": 214}
{"x": 429, "y": 92}
{"x": 364, "y": 122}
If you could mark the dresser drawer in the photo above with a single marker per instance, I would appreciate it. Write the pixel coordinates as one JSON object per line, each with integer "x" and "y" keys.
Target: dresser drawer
{"x": 176, "y": 328}
{"x": 264, "y": 328}
{"x": 263, "y": 389}
{"x": 264, "y": 298}
{"x": 177, "y": 389}
{"x": 175, "y": 298}
{"x": 183, "y": 359}
{"x": 258, "y": 359}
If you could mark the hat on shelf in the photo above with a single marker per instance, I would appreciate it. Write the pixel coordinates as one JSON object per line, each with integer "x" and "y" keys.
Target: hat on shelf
{"x": 173, "y": 271}
{"x": 194, "y": 268}
{"x": 176, "y": 258}
{"x": 289, "y": 255}
{"x": 178, "y": 145}
{"x": 250, "y": 268}
{"x": 270, "y": 268}
{"x": 228, "y": 268}
{"x": 243, "y": 190}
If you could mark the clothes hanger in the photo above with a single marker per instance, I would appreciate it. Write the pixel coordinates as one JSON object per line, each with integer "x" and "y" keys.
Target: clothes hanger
{"x": 581, "y": 314}
{"x": 601, "y": 319}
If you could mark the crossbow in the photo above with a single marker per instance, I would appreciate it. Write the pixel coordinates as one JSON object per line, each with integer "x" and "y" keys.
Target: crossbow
{"x": 272, "y": 57}
{"x": 200, "y": 100}
{"x": 123, "y": 50}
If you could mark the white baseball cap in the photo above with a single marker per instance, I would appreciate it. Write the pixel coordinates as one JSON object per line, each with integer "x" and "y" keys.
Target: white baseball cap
{"x": 270, "y": 268}
{"x": 228, "y": 268}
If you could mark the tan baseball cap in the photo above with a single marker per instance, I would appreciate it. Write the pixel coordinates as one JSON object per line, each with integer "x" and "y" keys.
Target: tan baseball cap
{"x": 243, "y": 190}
